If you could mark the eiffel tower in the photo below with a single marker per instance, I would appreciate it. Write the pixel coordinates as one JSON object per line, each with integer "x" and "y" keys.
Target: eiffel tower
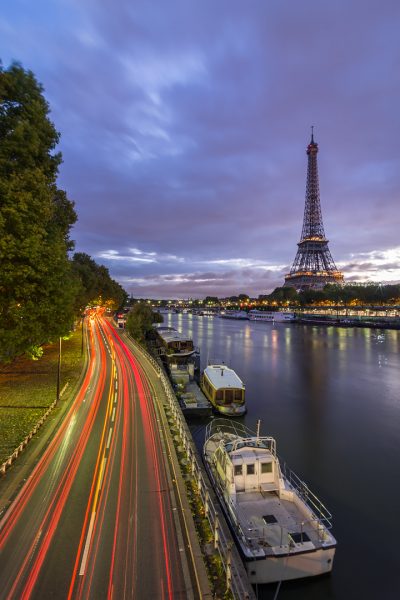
{"x": 313, "y": 266}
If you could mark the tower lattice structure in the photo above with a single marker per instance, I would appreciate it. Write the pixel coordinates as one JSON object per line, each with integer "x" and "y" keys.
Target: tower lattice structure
{"x": 313, "y": 266}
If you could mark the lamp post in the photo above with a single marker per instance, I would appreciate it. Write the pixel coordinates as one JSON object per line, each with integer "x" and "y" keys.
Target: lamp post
{"x": 59, "y": 369}
{"x": 83, "y": 318}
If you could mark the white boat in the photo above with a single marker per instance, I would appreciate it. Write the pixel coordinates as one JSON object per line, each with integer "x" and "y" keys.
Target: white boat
{"x": 234, "y": 314}
{"x": 271, "y": 316}
{"x": 224, "y": 389}
{"x": 281, "y": 528}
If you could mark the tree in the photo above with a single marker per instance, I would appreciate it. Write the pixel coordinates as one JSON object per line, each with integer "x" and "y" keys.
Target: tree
{"x": 284, "y": 294}
{"x": 211, "y": 300}
{"x": 140, "y": 321}
{"x": 311, "y": 296}
{"x": 95, "y": 284}
{"x": 37, "y": 286}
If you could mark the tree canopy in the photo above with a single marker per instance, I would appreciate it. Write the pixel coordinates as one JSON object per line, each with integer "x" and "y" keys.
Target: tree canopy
{"x": 140, "y": 321}
{"x": 37, "y": 286}
{"x": 368, "y": 294}
{"x": 41, "y": 288}
{"x": 95, "y": 284}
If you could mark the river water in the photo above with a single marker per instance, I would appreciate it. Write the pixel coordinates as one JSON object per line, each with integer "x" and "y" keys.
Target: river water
{"x": 331, "y": 398}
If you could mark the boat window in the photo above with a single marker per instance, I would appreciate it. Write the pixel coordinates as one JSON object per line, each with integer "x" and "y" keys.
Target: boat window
{"x": 250, "y": 469}
{"x": 219, "y": 396}
{"x": 238, "y": 395}
{"x": 266, "y": 467}
{"x": 238, "y": 470}
{"x": 228, "y": 396}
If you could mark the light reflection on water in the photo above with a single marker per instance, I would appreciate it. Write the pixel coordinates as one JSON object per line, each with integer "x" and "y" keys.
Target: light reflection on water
{"x": 331, "y": 398}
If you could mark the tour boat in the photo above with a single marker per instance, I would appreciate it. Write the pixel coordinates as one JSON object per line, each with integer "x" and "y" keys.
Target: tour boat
{"x": 271, "y": 316}
{"x": 281, "y": 528}
{"x": 234, "y": 314}
{"x": 224, "y": 389}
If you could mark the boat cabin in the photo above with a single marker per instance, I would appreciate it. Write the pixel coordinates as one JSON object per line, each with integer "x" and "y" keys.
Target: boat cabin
{"x": 248, "y": 465}
{"x": 222, "y": 386}
{"x": 177, "y": 353}
{"x": 174, "y": 342}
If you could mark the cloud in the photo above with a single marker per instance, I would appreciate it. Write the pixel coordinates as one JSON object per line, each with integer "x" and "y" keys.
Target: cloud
{"x": 376, "y": 265}
{"x": 138, "y": 256}
{"x": 184, "y": 128}
{"x": 202, "y": 283}
{"x": 245, "y": 262}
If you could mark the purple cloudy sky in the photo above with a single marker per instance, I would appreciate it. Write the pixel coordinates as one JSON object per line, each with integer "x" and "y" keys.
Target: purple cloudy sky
{"x": 184, "y": 127}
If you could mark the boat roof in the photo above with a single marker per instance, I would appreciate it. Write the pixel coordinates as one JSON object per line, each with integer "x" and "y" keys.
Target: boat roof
{"x": 171, "y": 335}
{"x": 220, "y": 376}
{"x": 250, "y": 454}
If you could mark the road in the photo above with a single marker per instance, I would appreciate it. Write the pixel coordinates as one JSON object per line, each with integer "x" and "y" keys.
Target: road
{"x": 96, "y": 517}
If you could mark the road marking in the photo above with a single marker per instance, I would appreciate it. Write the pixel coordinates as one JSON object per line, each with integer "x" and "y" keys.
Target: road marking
{"x": 87, "y": 544}
{"x": 113, "y": 415}
{"x": 115, "y": 397}
{"x": 103, "y": 465}
{"x": 109, "y": 438}
{"x": 116, "y": 384}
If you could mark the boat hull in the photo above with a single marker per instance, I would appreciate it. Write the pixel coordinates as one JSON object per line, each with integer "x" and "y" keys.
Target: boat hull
{"x": 230, "y": 411}
{"x": 272, "y": 317}
{"x": 285, "y": 567}
{"x": 195, "y": 412}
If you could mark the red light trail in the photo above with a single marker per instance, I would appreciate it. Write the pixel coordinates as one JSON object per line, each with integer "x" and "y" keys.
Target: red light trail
{"x": 95, "y": 520}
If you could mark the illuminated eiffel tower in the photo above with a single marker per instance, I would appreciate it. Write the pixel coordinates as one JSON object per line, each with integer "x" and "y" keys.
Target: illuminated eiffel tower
{"x": 313, "y": 266}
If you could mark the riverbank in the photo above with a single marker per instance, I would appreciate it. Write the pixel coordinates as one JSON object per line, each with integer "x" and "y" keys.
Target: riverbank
{"x": 28, "y": 388}
{"x": 350, "y": 321}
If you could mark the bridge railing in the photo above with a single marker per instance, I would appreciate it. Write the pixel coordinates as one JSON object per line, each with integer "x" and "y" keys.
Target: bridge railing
{"x": 236, "y": 577}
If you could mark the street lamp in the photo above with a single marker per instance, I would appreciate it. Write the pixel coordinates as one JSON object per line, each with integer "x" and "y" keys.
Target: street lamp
{"x": 59, "y": 369}
{"x": 83, "y": 318}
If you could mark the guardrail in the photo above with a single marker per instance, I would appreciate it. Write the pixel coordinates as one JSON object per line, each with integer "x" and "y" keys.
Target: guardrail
{"x": 236, "y": 578}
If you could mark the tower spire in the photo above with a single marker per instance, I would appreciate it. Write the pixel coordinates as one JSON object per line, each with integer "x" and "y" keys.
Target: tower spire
{"x": 313, "y": 266}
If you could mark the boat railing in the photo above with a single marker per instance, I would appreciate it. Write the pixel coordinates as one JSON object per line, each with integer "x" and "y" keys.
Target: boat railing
{"x": 321, "y": 518}
{"x": 240, "y": 435}
{"x": 320, "y": 513}
{"x": 255, "y": 536}
{"x": 228, "y": 426}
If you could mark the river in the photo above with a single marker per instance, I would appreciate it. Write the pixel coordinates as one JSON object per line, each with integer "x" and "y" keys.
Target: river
{"x": 331, "y": 398}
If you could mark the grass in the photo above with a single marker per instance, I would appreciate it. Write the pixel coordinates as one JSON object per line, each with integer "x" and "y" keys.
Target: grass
{"x": 28, "y": 388}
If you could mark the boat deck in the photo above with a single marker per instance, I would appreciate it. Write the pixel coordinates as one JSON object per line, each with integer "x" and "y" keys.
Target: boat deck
{"x": 268, "y": 521}
{"x": 194, "y": 401}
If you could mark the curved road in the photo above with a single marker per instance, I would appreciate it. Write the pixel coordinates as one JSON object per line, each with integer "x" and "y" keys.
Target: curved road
{"x": 95, "y": 519}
